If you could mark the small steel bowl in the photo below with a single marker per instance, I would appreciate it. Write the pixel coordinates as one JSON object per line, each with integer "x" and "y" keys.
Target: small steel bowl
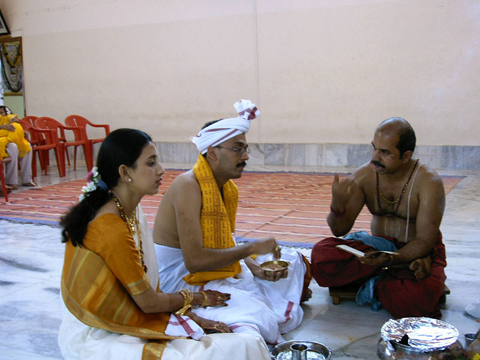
{"x": 282, "y": 266}
{"x": 469, "y": 338}
{"x": 315, "y": 349}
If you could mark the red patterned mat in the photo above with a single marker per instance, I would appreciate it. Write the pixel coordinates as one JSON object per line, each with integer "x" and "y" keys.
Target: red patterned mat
{"x": 293, "y": 207}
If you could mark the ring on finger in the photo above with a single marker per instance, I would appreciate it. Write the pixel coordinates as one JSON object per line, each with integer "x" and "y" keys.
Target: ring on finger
{"x": 277, "y": 248}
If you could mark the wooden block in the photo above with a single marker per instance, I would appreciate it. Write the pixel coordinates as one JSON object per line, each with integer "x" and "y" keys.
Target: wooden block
{"x": 443, "y": 298}
{"x": 348, "y": 291}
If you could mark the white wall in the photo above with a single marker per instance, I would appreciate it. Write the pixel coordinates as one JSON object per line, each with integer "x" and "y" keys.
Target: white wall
{"x": 321, "y": 71}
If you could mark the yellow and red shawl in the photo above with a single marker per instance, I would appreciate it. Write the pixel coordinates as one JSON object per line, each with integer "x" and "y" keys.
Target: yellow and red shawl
{"x": 217, "y": 220}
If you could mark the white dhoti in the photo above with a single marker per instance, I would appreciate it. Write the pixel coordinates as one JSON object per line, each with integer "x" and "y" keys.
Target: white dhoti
{"x": 11, "y": 168}
{"x": 270, "y": 308}
{"x": 79, "y": 341}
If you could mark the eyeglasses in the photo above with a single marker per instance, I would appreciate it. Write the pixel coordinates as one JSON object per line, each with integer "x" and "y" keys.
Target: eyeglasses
{"x": 239, "y": 150}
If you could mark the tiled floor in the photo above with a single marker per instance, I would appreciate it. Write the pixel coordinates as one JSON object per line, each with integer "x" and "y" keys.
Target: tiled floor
{"x": 31, "y": 258}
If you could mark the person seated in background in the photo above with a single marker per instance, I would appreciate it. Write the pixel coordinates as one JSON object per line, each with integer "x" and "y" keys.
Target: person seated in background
{"x": 112, "y": 304}
{"x": 406, "y": 199}
{"x": 14, "y": 145}
{"x": 195, "y": 244}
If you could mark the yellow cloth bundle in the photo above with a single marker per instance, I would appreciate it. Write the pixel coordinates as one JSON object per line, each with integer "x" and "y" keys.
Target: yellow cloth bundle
{"x": 17, "y": 137}
{"x": 217, "y": 220}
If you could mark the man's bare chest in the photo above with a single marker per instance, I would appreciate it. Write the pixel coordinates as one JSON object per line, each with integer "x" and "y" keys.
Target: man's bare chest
{"x": 393, "y": 202}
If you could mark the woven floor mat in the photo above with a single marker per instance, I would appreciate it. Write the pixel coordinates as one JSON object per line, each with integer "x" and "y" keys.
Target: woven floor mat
{"x": 293, "y": 207}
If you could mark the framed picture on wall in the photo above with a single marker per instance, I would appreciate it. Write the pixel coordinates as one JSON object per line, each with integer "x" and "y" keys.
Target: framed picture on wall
{"x": 3, "y": 26}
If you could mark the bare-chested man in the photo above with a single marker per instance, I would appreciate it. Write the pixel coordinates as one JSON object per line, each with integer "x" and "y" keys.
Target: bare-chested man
{"x": 195, "y": 247}
{"x": 407, "y": 200}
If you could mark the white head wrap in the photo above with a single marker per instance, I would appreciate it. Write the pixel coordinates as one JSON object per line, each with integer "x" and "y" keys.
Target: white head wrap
{"x": 225, "y": 129}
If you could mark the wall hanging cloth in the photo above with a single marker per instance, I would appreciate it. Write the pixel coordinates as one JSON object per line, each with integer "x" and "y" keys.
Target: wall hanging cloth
{"x": 12, "y": 65}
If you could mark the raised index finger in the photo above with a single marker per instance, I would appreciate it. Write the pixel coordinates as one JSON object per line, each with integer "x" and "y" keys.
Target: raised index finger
{"x": 336, "y": 178}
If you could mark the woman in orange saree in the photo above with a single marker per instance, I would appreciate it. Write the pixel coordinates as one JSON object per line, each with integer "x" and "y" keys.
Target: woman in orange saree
{"x": 113, "y": 304}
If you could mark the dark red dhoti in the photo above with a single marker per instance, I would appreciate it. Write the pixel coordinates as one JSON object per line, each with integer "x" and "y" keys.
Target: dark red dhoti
{"x": 399, "y": 291}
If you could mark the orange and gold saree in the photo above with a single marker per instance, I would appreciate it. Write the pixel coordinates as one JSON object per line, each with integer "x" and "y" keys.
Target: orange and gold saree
{"x": 99, "y": 279}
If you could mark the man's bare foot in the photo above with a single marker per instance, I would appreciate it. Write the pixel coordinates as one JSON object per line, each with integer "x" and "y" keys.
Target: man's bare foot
{"x": 13, "y": 186}
{"x": 421, "y": 267}
{"x": 30, "y": 184}
{"x": 307, "y": 295}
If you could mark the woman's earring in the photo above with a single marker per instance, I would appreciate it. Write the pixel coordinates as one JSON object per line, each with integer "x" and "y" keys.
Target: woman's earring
{"x": 129, "y": 179}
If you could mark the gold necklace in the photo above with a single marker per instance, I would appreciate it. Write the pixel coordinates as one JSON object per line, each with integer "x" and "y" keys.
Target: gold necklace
{"x": 379, "y": 192}
{"x": 403, "y": 190}
{"x": 132, "y": 224}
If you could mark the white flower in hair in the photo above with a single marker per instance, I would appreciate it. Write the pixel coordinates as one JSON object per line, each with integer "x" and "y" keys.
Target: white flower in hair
{"x": 93, "y": 178}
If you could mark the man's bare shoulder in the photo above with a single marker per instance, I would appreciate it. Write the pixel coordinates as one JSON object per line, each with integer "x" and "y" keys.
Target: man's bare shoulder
{"x": 181, "y": 200}
{"x": 184, "y": 181}
{"x": 428, "y": 178}
{"x": 364, "y": 174}
{"x": 428, "y": 171}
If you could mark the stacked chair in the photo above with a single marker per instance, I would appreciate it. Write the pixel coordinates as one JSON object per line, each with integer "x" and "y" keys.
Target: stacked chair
{"x": 60, "y": 139}
{"x": 45, "y": 133}
{"x": 42, "y": 141}
{"x": 30, "y": 119}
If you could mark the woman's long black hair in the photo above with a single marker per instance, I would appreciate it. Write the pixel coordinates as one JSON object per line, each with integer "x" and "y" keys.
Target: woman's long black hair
{"x": 120, "y": 147}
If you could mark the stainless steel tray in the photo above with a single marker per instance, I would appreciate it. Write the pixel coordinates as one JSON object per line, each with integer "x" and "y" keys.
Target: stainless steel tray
{"x": 314, "y": 350}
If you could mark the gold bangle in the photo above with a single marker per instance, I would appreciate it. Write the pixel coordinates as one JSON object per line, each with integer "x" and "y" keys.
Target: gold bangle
{"x": 187, "y": 303}
{"x": 183, "y": 310}
{"x": 205, "y": 299}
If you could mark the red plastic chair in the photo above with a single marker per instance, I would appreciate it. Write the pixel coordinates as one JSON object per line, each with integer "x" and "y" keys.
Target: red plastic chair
{"x": 2, "y": 176}
{"x": 80, "y": 121}
{"x": 34, "y": 138}
{"x": 50, "y": 123}
{"x": 47, "y": 137}
{"x": 31, "y": 119}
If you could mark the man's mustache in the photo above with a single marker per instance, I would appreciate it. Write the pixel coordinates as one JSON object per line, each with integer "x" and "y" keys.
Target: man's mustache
{"x": 376, "y": 163}
{"x": 243, "y": 163}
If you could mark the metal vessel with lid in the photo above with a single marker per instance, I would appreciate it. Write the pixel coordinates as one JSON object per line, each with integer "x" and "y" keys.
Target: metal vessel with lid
{"x": 419, "y": 338}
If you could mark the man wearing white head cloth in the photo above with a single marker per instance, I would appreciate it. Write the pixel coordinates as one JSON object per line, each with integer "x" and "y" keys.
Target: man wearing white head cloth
{"x": 216, "y": 132}
{"x": 195, "y": 244}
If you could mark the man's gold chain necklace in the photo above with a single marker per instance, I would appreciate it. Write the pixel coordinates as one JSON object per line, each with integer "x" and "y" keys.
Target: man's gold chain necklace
{"x": 403, "y": 190}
